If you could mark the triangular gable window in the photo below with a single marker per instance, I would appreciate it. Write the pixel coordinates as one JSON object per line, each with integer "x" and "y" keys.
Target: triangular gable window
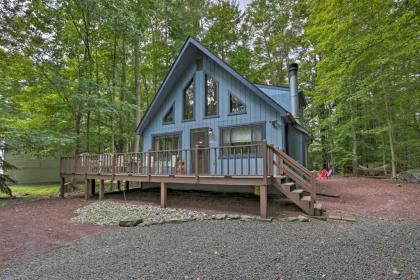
{"x": 169, "y": 117}
{"x": 236, "y": 105}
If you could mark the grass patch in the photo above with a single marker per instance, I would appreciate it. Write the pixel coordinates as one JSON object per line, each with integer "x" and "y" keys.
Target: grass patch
{"x": 33, "y": 191}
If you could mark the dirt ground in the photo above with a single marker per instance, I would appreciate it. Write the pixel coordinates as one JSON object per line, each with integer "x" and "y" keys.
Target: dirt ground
{"x": 372, "y": 197}
{"x": 35, "y": 227}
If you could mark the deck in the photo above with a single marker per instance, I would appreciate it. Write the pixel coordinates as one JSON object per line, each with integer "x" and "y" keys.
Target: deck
{"x": 247, "y": 165}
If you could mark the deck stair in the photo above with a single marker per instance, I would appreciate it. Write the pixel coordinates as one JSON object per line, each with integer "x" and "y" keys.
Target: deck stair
{"x": 295, "y": 181}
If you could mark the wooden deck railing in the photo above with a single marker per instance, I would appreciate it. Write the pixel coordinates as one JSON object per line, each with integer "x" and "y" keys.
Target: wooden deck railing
{"x": 257, "y": 160}
{"x": 288, "y": 166}
{"x": 240, "y": 160}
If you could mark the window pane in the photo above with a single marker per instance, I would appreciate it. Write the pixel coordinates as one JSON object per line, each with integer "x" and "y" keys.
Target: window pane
{"x": 211, "y": 96}
{"x": 241, "y": 134}
{"x": 257, "y": 133}
{"x": 226, "y": 136}
{"x": 169, "y": 117}
{"x": 166, "y": 142}
{"x": 236, "y": 106}
{"x": 240, "y": 137}
{"x": 189, "y": 101}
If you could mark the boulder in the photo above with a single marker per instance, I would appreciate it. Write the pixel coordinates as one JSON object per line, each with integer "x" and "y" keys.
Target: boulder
{"x": 292, "y": 219}
{"x": 220, "y": 217}
{"x": 411, "y": 176}
{"x": 130, "y": 223}
{"x": 302, "y": 218}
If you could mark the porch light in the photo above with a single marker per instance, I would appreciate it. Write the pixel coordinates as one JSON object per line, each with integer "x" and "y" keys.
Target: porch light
{"x": 275, "y": 123}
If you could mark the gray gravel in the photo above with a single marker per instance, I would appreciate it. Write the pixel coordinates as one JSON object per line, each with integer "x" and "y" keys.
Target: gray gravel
{"x": 366, "y": 249}
{"x": 110, "y": 213}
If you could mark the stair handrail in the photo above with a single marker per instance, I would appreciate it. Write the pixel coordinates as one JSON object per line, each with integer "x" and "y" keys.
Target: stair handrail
{"x": 285, "y": 165}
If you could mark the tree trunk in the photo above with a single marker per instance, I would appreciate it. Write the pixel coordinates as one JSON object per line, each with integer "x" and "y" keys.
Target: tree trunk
{"x": 355, "y": 164}
{"x": 121, "y": 142}
{"x": 391, "y": 135}
{"x": 114, "y": 78}
{"x": 137, "y": 92}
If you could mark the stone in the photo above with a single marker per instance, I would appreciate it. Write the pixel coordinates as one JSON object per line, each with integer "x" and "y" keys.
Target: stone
{"x": 246, "y": 218}
{"x": 268, "y": 220}
{"x": 334, "y": 217}
{"x": 292, "y": 219}
{"x": 321, "y": 218}
{"x": 220, "y": 217}
{"x": 130, "y": 223}
{"x": 302, "y": 218}
{"x": 348, "y": 219}
{"x": 233, "y": 217}
{"x": 412, "y": 176}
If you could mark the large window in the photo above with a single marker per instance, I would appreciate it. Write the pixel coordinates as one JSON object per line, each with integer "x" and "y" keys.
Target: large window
{"x": 169, "y": 116}
{"x": 240, "y": 138}
{"x": 236, "y": 106}
{"x": 211, "y": 96}
{"x": 166, "y": 142}
{"x": 188, "y": 101}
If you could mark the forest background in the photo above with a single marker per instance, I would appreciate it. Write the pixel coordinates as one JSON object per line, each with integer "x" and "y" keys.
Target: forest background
{"x": 77, "y": 75}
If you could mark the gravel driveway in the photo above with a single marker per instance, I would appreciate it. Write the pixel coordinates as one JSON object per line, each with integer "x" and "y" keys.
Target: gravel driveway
{"x": 370, "y": 248}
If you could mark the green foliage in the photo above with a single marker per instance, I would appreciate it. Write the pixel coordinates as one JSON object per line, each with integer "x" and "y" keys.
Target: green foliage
{"x": 68, "y": 69}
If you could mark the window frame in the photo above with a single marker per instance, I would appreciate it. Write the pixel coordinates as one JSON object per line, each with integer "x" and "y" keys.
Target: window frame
{"x": 167, "y": 134}
{"x": 192, "y": 80}
{"x": 172, "y": 107}
{"x": 230, "y": 105}
{"x": 234, "y": 155}
{"x": 205, "y": 97}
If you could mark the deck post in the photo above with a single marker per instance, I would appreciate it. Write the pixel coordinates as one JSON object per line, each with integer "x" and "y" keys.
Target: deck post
{"x": 101, "y": 189}
{"x": 265, "y": 163}
{"x": 87, "y": 189}
{"x": 92, "y": 186}
{"x": 62, "y": 183}
{"x": 263, "y": 201}
{"x": 163, "y": 194}
{"x": 119, "y": 185}
{"x": 149, "y": 164}
{"x": 196, "y": 162}
{"x": 127, "y": 185}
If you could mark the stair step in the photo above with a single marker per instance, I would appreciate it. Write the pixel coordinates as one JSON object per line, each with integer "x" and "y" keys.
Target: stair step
{"x": 298, "y": 191}
{"x": 288, "y": 186}
{"x": 306, "y": 198}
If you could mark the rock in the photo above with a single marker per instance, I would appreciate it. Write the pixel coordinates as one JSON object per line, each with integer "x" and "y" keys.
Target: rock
{"x": 348, "y": 219}
{"x": 220, "y": 217}
{"x": 292, "y": 219}
{"x": 334, "y": 217}
{"x": 268, "y": 220}
{"x": 412, "y": 176}
{"x": 233, "y": 217}
{"x": 111, "y": 213}
{"x": 396, "y": 272}
{"x": 246, "y": 218}
{"x": 130, "y": 223}
{"x": 321, "y": 218}
{"x": 302, "y": 218}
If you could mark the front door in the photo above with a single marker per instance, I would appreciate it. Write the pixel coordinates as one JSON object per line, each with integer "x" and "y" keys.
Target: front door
{"x": 200, "y": 137}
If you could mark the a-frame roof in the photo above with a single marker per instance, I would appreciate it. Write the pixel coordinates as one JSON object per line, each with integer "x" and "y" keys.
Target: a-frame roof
{"x": 192, "y": 49}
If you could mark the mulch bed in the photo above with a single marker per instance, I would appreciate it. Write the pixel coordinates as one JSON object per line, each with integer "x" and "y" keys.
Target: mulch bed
{"x": 372, "y": 197}
{"x": 31, "y": 228}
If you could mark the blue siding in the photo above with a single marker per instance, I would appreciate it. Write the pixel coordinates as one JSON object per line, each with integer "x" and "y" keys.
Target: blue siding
{"x": 257, "y": 110}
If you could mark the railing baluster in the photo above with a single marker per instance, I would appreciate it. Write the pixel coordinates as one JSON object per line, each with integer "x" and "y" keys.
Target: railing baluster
{"x": 242, "y": 161}
{"x": 215, "y": 161}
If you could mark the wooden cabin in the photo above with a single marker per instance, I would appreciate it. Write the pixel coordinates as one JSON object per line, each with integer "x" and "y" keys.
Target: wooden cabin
{"x": 210, "y": 128}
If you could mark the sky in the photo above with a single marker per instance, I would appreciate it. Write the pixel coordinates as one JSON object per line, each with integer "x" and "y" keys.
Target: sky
{"x": 243, "y": 3}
